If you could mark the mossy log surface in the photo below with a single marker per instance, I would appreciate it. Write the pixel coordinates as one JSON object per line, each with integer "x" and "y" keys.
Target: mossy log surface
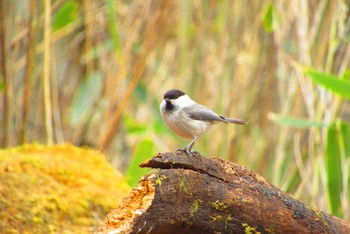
{"x": 194, "y": 194}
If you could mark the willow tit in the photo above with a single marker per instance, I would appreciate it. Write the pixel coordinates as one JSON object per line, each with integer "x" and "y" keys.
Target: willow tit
{"x": 188, "y": 118}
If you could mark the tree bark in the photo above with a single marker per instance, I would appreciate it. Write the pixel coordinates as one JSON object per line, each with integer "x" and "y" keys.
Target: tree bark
{"x": 194, "y": 194}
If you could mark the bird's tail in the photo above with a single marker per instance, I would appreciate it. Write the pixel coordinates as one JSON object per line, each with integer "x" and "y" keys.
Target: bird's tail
{"x": 236, "y": 121}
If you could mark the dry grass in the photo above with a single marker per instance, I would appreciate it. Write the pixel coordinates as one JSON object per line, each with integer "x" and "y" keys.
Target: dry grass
{"x": 112, "y": 60}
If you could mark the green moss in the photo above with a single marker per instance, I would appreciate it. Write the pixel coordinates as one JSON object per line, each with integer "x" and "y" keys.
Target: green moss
{"x": 195, "y": 206}
{"x": 58, "y": 189}
{"x": 320, "y": 216}
{"x": 216, "y": 218}
{"x": 249, "y": 230}
{"x": 220, "y": 218}
{"x": 219, "y": 205}
{"x": 228, "y": 219}
{"x": 184, "y": 186}
{"x": 160, "y": 179}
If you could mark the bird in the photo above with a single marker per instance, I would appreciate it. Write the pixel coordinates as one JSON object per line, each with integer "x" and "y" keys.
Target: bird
{"x": 189, "y": 119}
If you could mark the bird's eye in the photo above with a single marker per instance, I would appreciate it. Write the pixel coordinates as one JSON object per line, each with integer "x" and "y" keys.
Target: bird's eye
{"x": 169, "y": 106}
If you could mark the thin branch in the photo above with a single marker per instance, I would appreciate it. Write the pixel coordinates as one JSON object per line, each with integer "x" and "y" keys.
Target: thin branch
{"x": 46, "y": 74}
{"x": 5, "y": 93}
{"x": 27, "y": 75}
{"x": 158, "y": 21}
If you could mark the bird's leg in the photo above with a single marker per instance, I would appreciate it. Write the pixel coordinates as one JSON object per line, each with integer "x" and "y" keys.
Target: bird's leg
{"x": 188, "y": 147}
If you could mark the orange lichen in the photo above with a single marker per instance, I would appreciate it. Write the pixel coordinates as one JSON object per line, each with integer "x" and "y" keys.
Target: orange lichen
{"x": 62, "y": 189}
{"x": 138, "y": 201}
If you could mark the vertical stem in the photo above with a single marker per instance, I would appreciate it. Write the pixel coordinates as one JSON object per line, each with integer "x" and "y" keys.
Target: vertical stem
{"x": 5, "y": 93}
{"x": 27, "y": 75}
{"x": 46, "y": 75}
{"x": 56, "y": 112}
{"x": 152, "y": 36}
{"x": 88, "y": 21}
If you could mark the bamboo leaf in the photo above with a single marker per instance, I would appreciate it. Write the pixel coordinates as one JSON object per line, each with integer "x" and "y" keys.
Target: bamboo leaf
{"x": 270, "y": 18}
{"x": 345, "y": 131}
{"x": 66, "y": 14}
{"x": 330, "y": 82}
{"x": 334, "y": 169}
{"x": 295, "y": 122}
{"x": 84, "y": 98}
{"x": 132, "y": 126}
{"x": 346, "y": 75}
{"x": 112, "y": 27}
{"x": 144, "y": 150}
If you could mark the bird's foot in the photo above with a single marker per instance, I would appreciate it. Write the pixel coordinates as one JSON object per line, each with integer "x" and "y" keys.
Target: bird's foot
{"x": 185, "y": 150}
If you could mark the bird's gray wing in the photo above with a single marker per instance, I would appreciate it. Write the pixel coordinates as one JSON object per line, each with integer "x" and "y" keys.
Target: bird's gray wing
{"x": 199, "y": 112}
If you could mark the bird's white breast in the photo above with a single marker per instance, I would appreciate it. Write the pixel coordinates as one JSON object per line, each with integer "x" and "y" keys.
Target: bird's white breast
{"x": 179, "y": 121}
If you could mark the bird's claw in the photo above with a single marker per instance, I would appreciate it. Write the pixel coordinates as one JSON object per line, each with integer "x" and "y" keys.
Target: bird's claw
{"x": 185, "y": 150}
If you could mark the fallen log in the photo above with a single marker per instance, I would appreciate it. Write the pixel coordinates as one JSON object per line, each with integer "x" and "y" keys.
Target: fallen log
{"x": 210, "y": 195}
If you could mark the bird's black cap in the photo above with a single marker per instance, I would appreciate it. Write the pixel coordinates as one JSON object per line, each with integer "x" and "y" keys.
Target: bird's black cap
{"x": 173, "y": 94}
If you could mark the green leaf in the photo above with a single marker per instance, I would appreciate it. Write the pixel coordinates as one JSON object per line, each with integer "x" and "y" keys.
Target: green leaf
{"x": 221, "y": 16}
{"x": 1, "y": 86}
{"x": 345, "y": 131}
{"x": 295, "y": 122}
{"x": 143, "y": 151}
{"x": 84, "y": 98}
{"x": 140, "y": 92}
{"x": 112, "y": 27}
{"x": 66, "y": 14}
{"x": 159, "y": 126}
{"x": 133, "y": 127}
{"x": 334, "y": 168}
{"x": 270, "y": 18}
{"x": 346, "y": 75}
{"x": 330, "y": 82}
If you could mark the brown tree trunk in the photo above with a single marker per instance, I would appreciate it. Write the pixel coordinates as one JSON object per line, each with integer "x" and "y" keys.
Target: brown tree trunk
{"x": 194, "y": 194}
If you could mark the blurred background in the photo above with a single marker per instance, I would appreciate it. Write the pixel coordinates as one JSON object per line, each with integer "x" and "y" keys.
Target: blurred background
{"x": 93, "y": 73}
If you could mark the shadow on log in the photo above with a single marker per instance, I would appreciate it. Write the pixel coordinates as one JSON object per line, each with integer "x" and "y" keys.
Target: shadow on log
{"x": 194, "y": 194}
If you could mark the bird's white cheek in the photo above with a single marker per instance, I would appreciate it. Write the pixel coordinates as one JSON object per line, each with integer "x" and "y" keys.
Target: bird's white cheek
{"x": 162, "y": 106}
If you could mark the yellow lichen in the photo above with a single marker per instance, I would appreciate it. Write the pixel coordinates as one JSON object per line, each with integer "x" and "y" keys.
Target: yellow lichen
{"x": 184, "y": 186}
{"x": 228, "y": 219}
{"x": 319, "y": 215}
{"x": 195, "y": 206}
{"x": 215, "y": 218}
{"x": 219, "y": 205}
{"x": 58, "y": 189}
{"x": 160, "y": 179}
{"x": 249, "y": 230}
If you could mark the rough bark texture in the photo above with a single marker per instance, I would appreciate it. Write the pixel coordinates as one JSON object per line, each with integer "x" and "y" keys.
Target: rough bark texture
{"x": 194, "y": 194}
